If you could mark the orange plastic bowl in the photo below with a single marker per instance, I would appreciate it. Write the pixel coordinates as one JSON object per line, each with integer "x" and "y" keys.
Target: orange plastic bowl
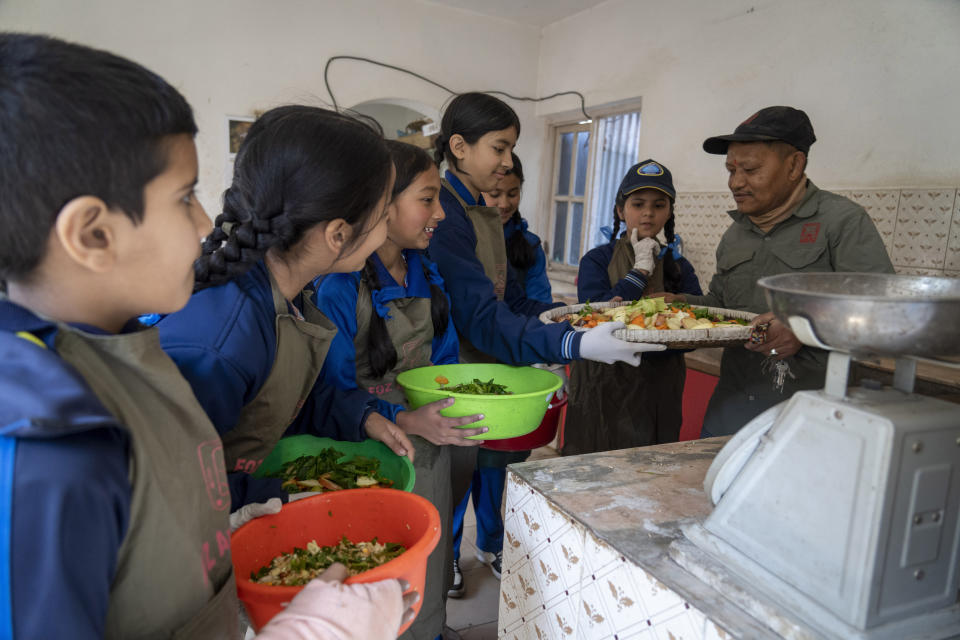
{"x": 360, "y": 515}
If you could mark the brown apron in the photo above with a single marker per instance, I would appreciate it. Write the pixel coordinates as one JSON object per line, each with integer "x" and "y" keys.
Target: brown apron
{"x": 598, "y": 419}
{"x": 491, "y": 251}
{"x": 174, "y": 576}
{"x": 411, "y": 331}
{"x": 301, "y": 349}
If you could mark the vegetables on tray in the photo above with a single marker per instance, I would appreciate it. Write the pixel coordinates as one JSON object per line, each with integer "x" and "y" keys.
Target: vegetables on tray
{"x": 323, "y": 472}
{"x": 477, "y": 387}
{"x": 652, "y": 313}
{"x": 302, "y": 565}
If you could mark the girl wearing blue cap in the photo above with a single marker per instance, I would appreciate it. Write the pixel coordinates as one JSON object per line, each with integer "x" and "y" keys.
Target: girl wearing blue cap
{"x": 627, "y": 268}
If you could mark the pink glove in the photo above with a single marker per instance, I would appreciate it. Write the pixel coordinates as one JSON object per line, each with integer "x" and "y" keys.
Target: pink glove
{"x": 327, "y": 610}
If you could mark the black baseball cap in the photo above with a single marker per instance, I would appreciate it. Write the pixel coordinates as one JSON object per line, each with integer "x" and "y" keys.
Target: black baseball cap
{"x": 648, "y": 174}
{"x": 772, "y": 123}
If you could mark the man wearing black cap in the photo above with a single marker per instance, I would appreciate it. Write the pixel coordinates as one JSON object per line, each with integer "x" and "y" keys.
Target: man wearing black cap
{"x": 783, "y": 223}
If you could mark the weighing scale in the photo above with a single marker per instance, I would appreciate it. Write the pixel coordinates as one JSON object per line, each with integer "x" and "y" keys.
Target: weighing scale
{"x": 839, "y": 508}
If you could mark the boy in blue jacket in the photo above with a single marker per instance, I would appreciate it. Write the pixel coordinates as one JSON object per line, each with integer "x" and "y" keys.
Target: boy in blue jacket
{"x": 112, "y": 483}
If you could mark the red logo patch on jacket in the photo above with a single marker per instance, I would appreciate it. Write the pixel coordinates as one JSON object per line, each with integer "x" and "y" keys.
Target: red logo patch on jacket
{"x": 809, "y": 232}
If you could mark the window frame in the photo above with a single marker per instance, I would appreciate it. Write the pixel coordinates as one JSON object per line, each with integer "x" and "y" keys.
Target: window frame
{"x": 570, "y": 198}
{"x": 556, "y": 125}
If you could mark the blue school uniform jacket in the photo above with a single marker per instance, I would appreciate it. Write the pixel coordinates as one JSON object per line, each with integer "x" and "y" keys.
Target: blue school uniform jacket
{"x": 508, "y": 330}
{"x": 224, "y": 343}
{"x": 534, "y": 280}
{"x": 593, "y": 282}
{"x": 336, "y": 296}
{"x": 63, "y": 468}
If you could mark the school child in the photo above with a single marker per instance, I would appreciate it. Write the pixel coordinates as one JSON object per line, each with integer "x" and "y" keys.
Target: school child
{"x": 524, "y": 249}
{"x": 392, "y": 316}
{"x": 113, "y": 513}
{"x": 494, "y": 319}
{"x": 627, "y": 268}
{"x": 525, "y": 255}
{"x": 309, "y": 196}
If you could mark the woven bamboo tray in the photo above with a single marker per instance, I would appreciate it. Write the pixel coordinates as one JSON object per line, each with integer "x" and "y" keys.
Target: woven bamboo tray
{"x": 674, "y": 338}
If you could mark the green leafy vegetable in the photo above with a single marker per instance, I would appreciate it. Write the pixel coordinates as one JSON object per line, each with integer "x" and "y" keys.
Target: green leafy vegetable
{"x": 302, "y": 565}
{"x": 326, "y": 472}
{"x": 480, "y": 388}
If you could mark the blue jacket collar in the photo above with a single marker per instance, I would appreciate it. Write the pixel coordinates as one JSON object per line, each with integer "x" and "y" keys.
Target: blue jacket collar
{"x": 418, "y": 286}
{"x": 511, "y": 226}
{"x": 462, "y": 190}
{"x": 51, "y": 399}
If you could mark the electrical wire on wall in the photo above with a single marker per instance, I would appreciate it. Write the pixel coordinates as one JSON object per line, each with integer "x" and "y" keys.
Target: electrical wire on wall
{"x": 333, "y": 99}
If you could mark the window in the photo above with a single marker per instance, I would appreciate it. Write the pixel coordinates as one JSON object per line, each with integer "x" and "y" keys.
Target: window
{"x": 590, "y": 159}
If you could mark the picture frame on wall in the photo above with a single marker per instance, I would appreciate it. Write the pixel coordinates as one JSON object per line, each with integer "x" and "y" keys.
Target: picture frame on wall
{"x": 237, "y": 127}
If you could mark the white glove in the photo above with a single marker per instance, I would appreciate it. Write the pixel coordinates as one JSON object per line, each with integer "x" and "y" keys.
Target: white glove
{"x": 600, "y": 345}
{"x": 335, "y": 611}
{"x": 248, "y": 512}
{"x": 644, "y": 251}
{"x": 300, "y": 495}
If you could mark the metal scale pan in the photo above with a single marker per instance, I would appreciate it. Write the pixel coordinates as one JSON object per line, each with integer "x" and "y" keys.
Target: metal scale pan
{"x": 869, "y": 314}
{"x": 841, "y": 505}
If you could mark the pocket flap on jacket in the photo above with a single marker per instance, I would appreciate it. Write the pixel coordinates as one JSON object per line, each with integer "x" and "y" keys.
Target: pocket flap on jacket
{"x": 733, "y": 257}
{"x": 799, "y": 257}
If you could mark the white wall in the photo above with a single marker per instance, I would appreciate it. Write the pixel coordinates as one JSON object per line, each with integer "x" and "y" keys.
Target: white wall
{"x": 231, "y": 57}
{"x": 878, "y": 78}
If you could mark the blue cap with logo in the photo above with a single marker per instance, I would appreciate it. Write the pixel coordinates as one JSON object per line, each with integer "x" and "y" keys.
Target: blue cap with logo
{"x": 648, "y": 174}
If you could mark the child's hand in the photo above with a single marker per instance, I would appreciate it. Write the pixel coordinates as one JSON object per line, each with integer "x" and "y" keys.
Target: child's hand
{"x": 327, "y": 609}
{"x": 667, "y": 297}
{"x": 248, "y": 512}
{"x": 427, "y": 423}
{"x": 379, "y": 428}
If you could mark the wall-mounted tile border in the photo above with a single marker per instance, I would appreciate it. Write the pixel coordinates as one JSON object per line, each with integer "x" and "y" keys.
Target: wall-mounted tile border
{"x": 920, "y": 227}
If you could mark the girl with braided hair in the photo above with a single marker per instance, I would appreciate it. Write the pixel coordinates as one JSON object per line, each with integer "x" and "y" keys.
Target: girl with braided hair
{"x": 524, "y": 249}
{"x": 309, "y": 196}
{"x": 392, "y": 316}
{"x": 629, "y": 266}
{"x": 495, "y": 319}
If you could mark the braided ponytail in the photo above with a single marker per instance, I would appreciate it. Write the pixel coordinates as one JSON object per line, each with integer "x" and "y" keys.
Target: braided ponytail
{"x": 618, "y": 205}
{"x": 672, "y": 274}
{"x": 298, "y": 167}
{"x": 382, "y": 355}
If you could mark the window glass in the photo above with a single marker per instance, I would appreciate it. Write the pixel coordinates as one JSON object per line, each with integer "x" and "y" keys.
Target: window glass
{"x": 559, "y": 232}
{"x": 583, "y": 152}
{"x": 576, "y": 229}
{"x": 566, "y": 155}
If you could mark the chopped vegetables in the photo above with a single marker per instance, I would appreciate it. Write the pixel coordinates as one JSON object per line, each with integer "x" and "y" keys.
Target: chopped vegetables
{"x": 652, "y": 313}
{"x": 480, "y": 388}
{"x": 324, "y": 472}
{"x": 302, "y": 565}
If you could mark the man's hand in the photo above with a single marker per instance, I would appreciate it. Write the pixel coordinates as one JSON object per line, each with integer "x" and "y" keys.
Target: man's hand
{"x": 780, "y": 342}
{"x": 667, "y": 297}
{"x": 379, "y": 428}
{"x": 427, "y": 423}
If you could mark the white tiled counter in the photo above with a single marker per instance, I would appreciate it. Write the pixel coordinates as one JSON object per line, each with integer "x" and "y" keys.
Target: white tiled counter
{"x": 586, "y": 549}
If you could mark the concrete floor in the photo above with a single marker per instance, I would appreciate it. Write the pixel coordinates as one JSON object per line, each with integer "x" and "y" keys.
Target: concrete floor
{"x": 474, "y": 616}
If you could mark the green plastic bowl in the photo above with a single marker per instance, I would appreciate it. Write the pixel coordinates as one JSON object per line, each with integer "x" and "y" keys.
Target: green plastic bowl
{"x": 505, "y": 416}
{"x": 397, "y": 468}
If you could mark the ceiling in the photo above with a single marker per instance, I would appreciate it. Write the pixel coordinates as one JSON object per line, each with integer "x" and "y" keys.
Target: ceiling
{"x": 537, "y": 13}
